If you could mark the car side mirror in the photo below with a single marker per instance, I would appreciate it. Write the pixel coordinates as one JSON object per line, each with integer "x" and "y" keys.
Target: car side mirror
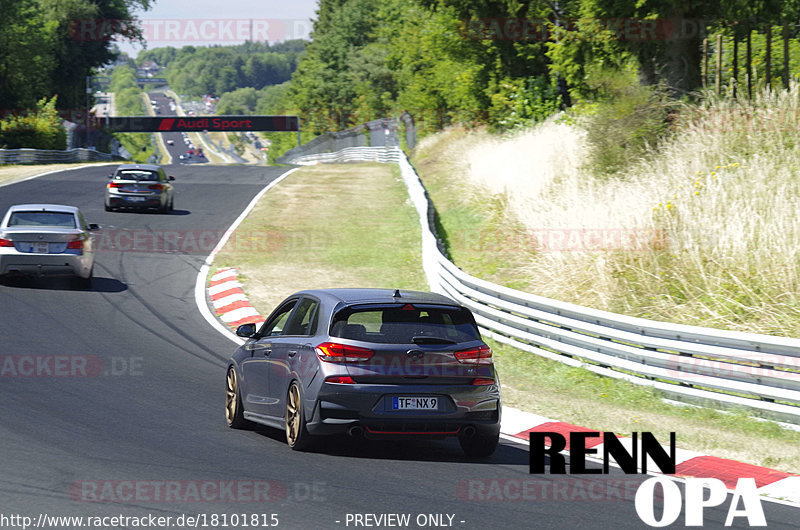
{"x": 111, "y": 176}
{"x": 93, "y": 226}
{"x": 171, "y": 177}
{"x": 246, "y": 330}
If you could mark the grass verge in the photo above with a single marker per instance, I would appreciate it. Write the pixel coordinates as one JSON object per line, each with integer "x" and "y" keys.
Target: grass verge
{"x": 351, "y": 225}
{"x": 348, "y": 225}
{"x": 577, "y": 396}
{"x": 15, "y": 172}
{"x": 485, "y": 234}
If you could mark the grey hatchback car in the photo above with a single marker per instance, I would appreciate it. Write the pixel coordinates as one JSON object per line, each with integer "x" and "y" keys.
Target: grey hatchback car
{"x": 140, "y": 186}
{"x": 367, "y": 362}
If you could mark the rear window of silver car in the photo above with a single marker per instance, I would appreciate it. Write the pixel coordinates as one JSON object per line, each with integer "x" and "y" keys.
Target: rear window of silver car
{"x": 40, "y": 218}
{"x": 404, "y": 324}
{"x": 135, "y": 174}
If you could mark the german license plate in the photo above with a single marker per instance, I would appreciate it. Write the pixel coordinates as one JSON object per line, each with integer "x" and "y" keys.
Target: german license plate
{"x": 38, "y": 247}
{"x": 135, "y": 199}
{"x": 415, "y": 403}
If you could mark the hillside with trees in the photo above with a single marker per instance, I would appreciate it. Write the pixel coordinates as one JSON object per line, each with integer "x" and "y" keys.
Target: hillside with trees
{"x": 507, "y": 64}
{"x": 215, "y": 70}
{"x": 50, "y": 46}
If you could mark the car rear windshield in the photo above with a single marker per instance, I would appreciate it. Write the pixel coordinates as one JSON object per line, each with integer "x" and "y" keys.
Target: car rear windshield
{"x": 40, "y": 218}
{"x": 405, "y": 324}
{"x": 136, "y": 174}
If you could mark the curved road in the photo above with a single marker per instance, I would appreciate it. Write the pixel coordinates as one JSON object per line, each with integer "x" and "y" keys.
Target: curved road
{"x": 112, "y": 400}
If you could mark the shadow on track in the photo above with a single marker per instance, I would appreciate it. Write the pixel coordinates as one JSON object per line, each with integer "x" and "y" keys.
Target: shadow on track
{"x": 418, "y": 450}
{"x": 99, "y": 284}
{"x": 151, "y": 211}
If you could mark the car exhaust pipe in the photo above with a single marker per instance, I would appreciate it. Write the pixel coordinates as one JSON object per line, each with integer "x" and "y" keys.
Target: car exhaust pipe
{"x": 469, "y": 431}
{"x": 356, "y": 431}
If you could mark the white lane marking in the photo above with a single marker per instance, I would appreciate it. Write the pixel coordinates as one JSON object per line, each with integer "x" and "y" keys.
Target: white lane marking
{"x": 101, "y": 164}
{"x": 200, "y": 282}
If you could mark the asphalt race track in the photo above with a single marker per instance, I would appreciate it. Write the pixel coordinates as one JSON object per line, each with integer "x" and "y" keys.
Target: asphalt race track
{"x": 178, "y": 146}
{"x": 113, "y": 400}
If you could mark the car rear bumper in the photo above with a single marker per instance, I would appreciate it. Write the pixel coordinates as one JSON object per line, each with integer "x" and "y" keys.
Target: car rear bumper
{"x": 44, "y": 264}
{"x": 134, "y": 201}
{"x": 362, "y": 408}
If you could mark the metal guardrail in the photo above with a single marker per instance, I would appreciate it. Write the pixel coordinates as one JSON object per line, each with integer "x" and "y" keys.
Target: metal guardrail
{"x": 349, "y": 154}
{"x": 726, "y": 369}
{"x": 376, "y": 133}
{"x": 47, "y": 156}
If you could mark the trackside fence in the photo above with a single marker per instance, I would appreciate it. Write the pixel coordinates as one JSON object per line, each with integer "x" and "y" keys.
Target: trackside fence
{"x": 350, "y": 154}
{"x": 706, "y": 366}
{"x": 47, "y": 156}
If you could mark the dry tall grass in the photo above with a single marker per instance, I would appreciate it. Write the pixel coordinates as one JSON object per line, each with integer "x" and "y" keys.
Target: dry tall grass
{"x": 704, "y": 230}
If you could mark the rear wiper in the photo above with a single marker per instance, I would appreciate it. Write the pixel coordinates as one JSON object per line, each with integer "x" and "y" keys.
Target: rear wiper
{"x": 425, "y": 339}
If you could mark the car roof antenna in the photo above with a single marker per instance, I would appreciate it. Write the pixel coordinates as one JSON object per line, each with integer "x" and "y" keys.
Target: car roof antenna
{"x": 396, "y": 294}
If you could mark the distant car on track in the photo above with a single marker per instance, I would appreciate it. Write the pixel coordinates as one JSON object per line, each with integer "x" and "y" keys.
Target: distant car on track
{"x": 170, "y": 142}
{"x": 46, "y": 240}
{"x": 140, "y": 186}
{"x": 371, "y": 362}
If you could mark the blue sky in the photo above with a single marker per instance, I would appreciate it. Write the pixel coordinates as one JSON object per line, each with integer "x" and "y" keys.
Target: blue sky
{"x": 205, "y": 22}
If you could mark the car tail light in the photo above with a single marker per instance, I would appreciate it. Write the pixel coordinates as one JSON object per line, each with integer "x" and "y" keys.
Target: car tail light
{"x": 6, "y": 242}
{"x": 75, "y": 244}
{"x": 333, "y": 352}
{"x": 158, "y": 187}
{"x": 482, "y": 381}
{"x": 480, "y": 355}
{"x": 114, "y": 185}
{"x": 340, "y": 380}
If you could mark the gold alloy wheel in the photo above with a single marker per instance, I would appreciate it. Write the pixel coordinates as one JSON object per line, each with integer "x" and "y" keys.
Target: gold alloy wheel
{"x": 293, "y": 415}
{"x": 231, "y": 399}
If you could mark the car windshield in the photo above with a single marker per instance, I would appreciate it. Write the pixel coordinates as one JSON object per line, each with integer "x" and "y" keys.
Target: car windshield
{"x": 405, "y": 324}
{"x": 135, "y": 174}
{"x": 41, "y": 218}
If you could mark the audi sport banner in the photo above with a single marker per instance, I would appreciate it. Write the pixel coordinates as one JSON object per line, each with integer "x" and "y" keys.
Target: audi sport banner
{"x": 200, "y": 123}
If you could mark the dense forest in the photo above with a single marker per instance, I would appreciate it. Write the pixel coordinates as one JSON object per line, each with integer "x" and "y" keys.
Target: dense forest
{"x": 48, "y": 47}
{"x": 507, "y": 62}
{"x": 501, "y": 63}
{"x": 214, "y": 70}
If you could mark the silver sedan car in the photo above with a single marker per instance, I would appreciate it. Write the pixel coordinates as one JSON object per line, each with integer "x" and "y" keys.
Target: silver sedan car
{"x": 367, "y": 362}
{"x": 46, "y": 239}
{"x": 140, "y": 186}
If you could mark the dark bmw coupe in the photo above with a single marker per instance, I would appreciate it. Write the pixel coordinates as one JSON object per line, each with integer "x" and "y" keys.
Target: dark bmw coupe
{"x": 367, "y": 362}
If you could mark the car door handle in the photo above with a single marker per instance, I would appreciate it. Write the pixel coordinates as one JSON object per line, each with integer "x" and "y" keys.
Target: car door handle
{"x": 267, "y": 353}
{"x": 292, "y": 353}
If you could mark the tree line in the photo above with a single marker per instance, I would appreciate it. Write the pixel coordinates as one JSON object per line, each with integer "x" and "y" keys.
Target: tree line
{"x": 506, "y": 63}
{"x": 49, "y": 47}
{"x": 216, "y": 70}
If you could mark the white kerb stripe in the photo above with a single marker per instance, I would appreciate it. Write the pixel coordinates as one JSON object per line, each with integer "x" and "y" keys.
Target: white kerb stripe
{"x": 238, "y": 314}
{"x": 787, "y": 489}
{"x": 515, "y": 421}
{"x": 224, "y": 273}
{"x": 222, "y": 302}
{"x": 221, "y": 288}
